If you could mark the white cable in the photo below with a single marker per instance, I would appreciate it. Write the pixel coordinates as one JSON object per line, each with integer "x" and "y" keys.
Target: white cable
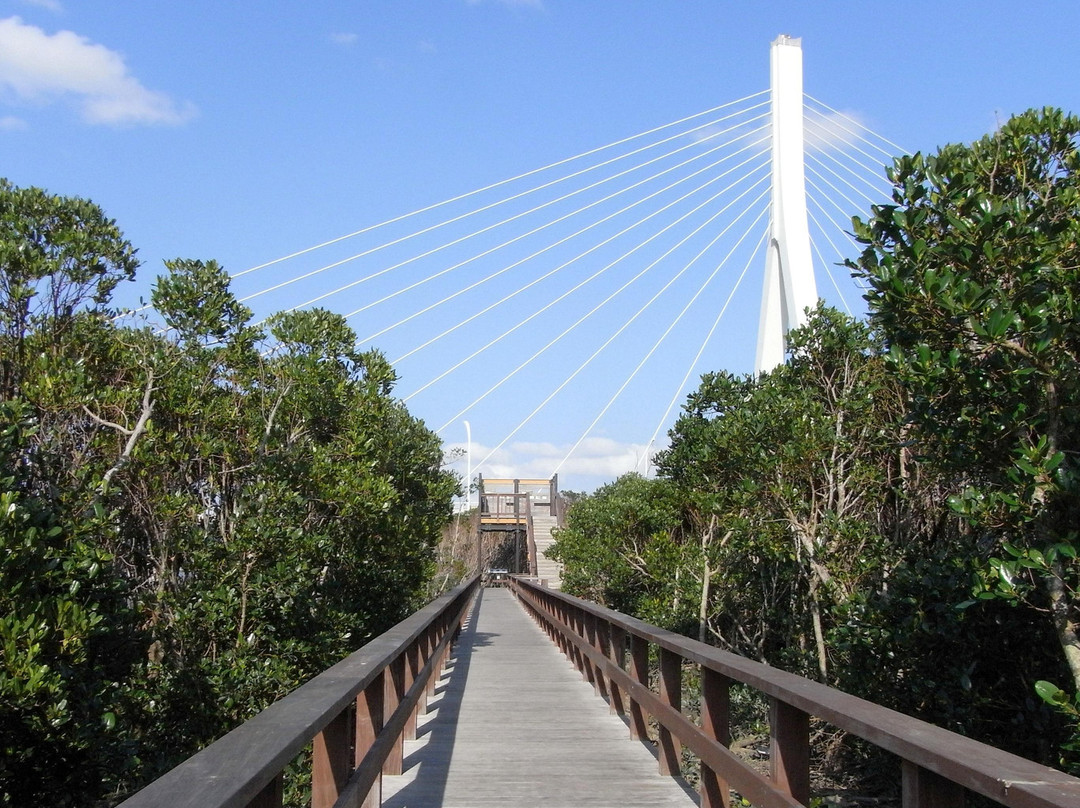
{"x": 663, "y": 336}
{"x": 520, "y": 195}
{"x": 595, "y": 353}
{"x": 872, "y": 176}
{"x": 825, "y": 231}
{"x": 463, "y": 239}
{"x": 460, "y": 197}
{"x": 556, "y": 164}
{"x": 853, "y": 147}
{"x": 839, "y": 253}
{"x": 570, "y": 291}
{"x": 861, "y": 126}
{"x": 866, "y": 197}
{"x": 589, "y": 313}
{"x": 843, "y": 212}
{"x": 825, "y": 264}
{"x": 826, "y": 127}
{"x": 593, "y": 311}
{"x": 551, "y": 246}
{"x": 708, "y": 337}
{"x": 534, "y": 231}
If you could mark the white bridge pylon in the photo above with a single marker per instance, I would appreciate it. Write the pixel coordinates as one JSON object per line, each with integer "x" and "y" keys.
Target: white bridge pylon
{"x": 789, "y": 287}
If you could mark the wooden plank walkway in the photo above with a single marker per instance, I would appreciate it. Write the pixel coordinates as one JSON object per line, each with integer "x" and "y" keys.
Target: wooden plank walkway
{"x": 514, "y": 724}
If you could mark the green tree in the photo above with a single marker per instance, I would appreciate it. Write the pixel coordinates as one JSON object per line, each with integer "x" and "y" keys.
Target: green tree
{"x": 793, "y": 470}
{"x": 620, "y": 547}
{"x": 68, "y": 640}
{"x": 193, "y": 521}
{"x": 58, "y": 255}
{"x": 973, "y": 270}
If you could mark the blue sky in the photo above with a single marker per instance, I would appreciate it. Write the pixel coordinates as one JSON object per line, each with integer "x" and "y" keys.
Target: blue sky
{"x": 245, "y": 131}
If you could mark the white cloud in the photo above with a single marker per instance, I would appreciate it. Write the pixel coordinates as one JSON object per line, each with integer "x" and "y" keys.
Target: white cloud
{"x": 827, "y": 132}
{"x": 9, "y": 123}
{"x": 345, "y": 38}
{"x": 37, "y": 66}
{"x": 50, "y": 5}
{"x": 594, "y": 462}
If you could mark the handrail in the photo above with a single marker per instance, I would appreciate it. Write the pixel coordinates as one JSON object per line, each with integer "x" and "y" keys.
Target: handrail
{"x": 357, "y": 714}
{"x": 502, "y": 505}
{"x": 937, "y": 765}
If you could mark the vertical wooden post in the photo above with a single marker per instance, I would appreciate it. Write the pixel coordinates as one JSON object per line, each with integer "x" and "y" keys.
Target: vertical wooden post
{"x": 433, "y": 636}
{"x": 330, "y": 760}
{"x": 789, "y": 758}
{"x": 639, "y": 672}
{"x": 716, "y": 724}
{"x": 617, "y": 654}
{"x": 922, "y": 788}
{"x": 272, "y": 794}
{"x": 369, "y": 723}
{"x": 592, "y": 639}
{"x": 584, "y": 664}
{"x": 392, "y": 693}
{"x": 412, "y": 669}
{"x": 560, "y": 614}
{"x": 671, "y": 694}
{"x": 613, "y": 639}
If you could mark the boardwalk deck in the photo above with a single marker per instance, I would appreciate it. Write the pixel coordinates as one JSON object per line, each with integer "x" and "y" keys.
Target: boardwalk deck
{"x": 515, "y": 725}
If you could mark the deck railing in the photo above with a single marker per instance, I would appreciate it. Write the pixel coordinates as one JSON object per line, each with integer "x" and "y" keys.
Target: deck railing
{"x": 356, "y": 715}
{"x": 612, "y": 652}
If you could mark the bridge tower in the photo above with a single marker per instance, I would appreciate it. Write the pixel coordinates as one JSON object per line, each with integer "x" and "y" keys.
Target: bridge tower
{"x": 789, "y": 287}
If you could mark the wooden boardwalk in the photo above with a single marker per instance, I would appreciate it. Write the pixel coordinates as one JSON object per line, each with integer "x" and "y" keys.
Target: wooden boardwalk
{"x": 513, "y": 724}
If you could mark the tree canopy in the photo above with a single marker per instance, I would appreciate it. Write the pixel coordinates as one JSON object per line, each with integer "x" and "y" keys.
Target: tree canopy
{"x": 973, "y": 271}
{"x": 894, "y": 510}
{"x": 193, "y": 521}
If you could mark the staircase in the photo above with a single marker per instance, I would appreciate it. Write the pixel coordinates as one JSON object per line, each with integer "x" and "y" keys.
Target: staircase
{"x": 546, "y": 569}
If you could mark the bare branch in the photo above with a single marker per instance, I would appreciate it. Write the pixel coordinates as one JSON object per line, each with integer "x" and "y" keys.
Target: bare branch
{"x": 134, "y": 434}
{"x": 123, "y": 430}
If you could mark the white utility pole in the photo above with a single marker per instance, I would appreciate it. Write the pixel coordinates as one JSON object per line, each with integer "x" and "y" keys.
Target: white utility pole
{"x": 789, "y": 274}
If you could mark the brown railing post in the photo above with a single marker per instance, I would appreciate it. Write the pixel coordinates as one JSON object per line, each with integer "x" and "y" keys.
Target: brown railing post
{"x": 639, "y": 671}
{"x": 393, "y": 693}
{"x": 789, "y": 749}
{"x": 369, "y": 723}
{"x": 330, "y": 755}
{"x": 271, "y": 796}
{"x": 412, "y": 668}
{"x": 671, "y": 695}
{"x": 619, "y": 639}
{"x": 923, "y": 788}
{"x": 592, "y": 637}
{"x": 584, "y": 664}
{"x": 434, "y": 634}
{"x": 611, "y": 645}
{"x": 562, "y": 612}
{"x": 716, "y": 724}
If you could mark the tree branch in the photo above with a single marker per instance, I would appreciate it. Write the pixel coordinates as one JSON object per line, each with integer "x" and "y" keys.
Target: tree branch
{"x": 133, "y": 434}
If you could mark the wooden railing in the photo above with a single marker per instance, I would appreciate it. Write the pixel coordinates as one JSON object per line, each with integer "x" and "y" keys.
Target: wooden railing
{"x": 612, "y": 651}
{"x": 495, "y": 494}
{"x": 356, "y": 715}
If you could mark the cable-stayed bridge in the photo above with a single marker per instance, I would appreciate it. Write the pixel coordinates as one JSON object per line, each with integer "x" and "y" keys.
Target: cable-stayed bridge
{"x": 566, "y": 312}
{"x": 555, "y": 298}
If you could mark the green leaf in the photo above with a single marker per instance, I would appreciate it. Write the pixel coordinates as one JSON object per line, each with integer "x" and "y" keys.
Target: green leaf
{"x": 1050, "y": 693}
